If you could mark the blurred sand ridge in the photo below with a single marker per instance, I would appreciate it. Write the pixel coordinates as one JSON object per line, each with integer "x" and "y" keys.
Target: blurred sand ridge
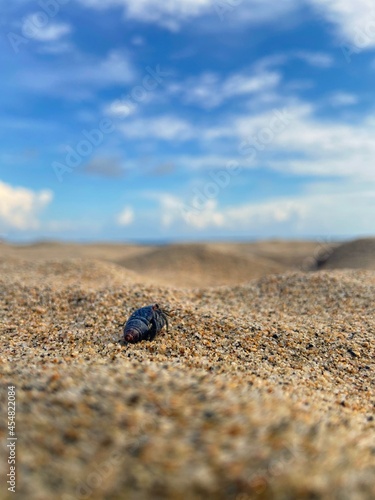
{"x": 182, "y": 265}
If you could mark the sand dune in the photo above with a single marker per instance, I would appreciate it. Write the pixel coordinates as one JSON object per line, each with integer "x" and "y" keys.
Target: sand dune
{"x": 199, "y": 265}
{"x": 357, "y": 254}
{"x": 259, "y": 390}
{"x": 291, "y": 254}
{"x": 44, "y": 250}
{"x": 59, "y": 273}
{"x": 184, "y": 264}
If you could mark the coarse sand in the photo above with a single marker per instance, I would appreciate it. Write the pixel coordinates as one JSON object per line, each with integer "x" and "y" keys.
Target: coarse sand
{"x": 259, "y": 390}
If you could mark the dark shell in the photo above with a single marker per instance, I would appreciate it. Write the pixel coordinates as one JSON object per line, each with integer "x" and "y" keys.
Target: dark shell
{"x": 145, "y": 323}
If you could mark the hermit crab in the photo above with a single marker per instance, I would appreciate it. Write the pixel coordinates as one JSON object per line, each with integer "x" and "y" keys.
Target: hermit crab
{"x": 145, "y": 323}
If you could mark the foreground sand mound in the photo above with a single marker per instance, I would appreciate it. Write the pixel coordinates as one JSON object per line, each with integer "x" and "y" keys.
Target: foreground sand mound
{"x": 258, "y": 391}
{"x": 196, "y": 265}
{"x": 341, "y": 292}
{"x": 358, "y": 254}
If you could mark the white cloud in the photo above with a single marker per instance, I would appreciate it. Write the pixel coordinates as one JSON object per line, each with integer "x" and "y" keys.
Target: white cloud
{"x": 120, "y": 109}
{"x": 354, "y": 20}
{"x": 171, "y": 206}
{"x": 242, "y": 216}
{"x": 35, "y": 27}
{"x": 209, "y": 216}
{"x": 318, "y": 59}
{"x": 166, "y": 128}
{"x": 20, "y": 207}
{"x": 265, "y": 213}
{"x": 315, "y": 213}
{"x": 210, "y": 91}
{"x": 304, "y": 144}
{"x": 126, "y": 217}
{"x": 290, "y": 139}
{"x": 328, "y": 148}
{"x": 171, "y": 14}
{"x": 173, "y": 210}
{"x": 205, "y": 161}
{"x": 78, "y": 76}
{"x": 168, "y": 13}
{"x": 320, "y": 211}
{"x": 343, "y": 99}
{"x": 127, "y": 106}
{"x": 116, "y": 68}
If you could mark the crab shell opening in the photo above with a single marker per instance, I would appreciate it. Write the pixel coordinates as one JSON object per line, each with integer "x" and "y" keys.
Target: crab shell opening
{"x": 132, "y": 337}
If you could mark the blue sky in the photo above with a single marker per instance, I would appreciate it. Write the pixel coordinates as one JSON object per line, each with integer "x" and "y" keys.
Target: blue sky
{"x": 190, "y": 119}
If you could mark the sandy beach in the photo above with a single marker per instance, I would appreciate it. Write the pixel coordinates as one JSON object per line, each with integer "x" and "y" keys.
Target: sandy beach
{"x": 262, "y": 388}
